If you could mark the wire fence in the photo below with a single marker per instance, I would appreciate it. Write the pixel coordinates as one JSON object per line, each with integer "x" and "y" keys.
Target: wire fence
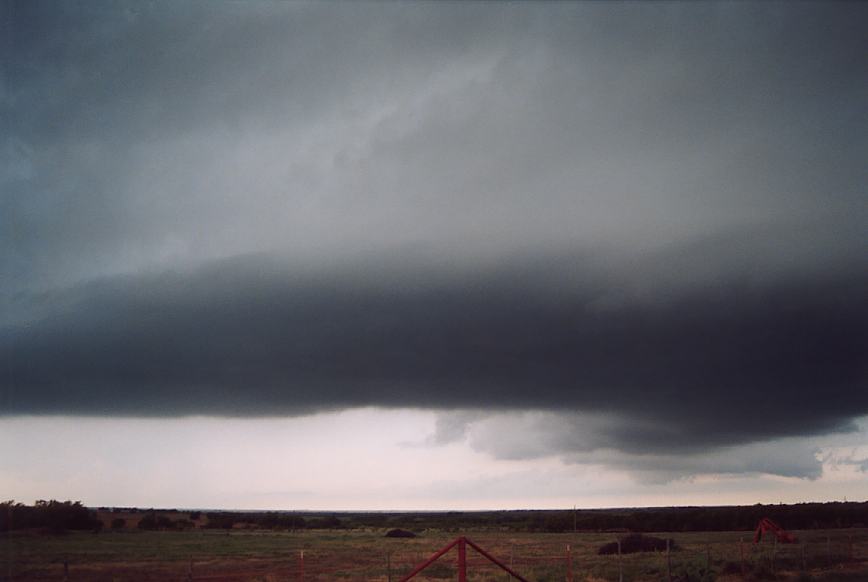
{"x": 536, "y": 558}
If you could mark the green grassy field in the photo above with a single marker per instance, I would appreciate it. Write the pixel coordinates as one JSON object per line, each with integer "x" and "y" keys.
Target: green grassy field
{"x": 368, "y": 556}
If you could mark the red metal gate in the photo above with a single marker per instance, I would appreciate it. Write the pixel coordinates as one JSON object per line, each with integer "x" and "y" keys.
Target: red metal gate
{"x": 462, "y": 543}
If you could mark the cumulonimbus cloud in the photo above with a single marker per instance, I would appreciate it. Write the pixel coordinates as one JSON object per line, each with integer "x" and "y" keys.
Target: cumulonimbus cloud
{"x": 654, "y": 216}
{"x": 749, "y": 359}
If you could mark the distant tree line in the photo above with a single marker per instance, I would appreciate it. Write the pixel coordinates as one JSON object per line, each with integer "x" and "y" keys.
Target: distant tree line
{"x": 67, "y": 515}
{"x": 798, "y": 516}
{"x": 664, "y": 519}
{"x": 668, "y": 519}
{"x": 153, "y": 520}
{"x": 727, "y": 518}
{"x": 270, "y": 520}
{"x": 50, "y": 516}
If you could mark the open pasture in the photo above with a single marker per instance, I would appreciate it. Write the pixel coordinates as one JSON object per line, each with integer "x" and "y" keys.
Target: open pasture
{"x": 267, "y": 556}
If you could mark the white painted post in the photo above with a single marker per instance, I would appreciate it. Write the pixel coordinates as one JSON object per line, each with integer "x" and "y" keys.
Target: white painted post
{"x": 620, "y": 565}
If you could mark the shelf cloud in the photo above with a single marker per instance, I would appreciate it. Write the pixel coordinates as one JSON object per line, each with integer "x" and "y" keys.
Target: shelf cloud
{"x": 745, "y": 358}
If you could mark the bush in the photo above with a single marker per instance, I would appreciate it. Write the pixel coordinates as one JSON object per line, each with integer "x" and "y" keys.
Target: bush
{"x": 119, "y": 523}
{"x": 153, "y": 521}
{"x": 400, "y": 533}
{"x": 273, "y": 520}
{"x": 221, "y": 520}
{"x": 330, "y": 522}
{"x": 636, "y": 543}
{"x": 693, "y": 572}
{"x": 439, "y": 570}
{"x": 149, "y": 521}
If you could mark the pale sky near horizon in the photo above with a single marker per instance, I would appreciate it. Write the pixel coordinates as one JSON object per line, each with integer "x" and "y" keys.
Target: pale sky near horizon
{"x": 370, "y": 459}
{"x": 430, "y": 255}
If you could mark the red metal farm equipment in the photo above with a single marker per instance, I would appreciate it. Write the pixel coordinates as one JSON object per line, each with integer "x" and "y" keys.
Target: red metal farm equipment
{"x": 462, "y": 543}
{"x": 765, "y": 524}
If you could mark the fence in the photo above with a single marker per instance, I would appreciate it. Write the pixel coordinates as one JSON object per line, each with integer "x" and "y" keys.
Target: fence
{"x": 496, "y": 558}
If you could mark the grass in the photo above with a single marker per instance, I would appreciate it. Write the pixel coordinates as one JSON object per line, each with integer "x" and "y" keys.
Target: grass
{"x": 132, "y": 555}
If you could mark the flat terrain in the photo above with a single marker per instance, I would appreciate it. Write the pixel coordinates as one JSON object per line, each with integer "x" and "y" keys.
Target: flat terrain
{"x": 131, "y": 555}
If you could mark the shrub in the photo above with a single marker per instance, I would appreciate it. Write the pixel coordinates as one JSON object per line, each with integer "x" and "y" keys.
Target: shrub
{"x": 400, "y": 533}
{"x": 330, "y": 522}
{"x": 636, "y": 543}
{"x": 439, "y": 570}
{"x": 149, "y": 521}
{"x": 153, "y": 521}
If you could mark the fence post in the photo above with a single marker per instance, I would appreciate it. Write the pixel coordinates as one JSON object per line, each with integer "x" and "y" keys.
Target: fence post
{"x": 668, "y": 562}
{"x": 829, "y": 550}
{"x": 301, "y": 565}
{"x": 389, "y": 566}
{"x": 774, "y": 552}
{"x": 741, "y": 552}
{"x": 804, "y": 560}
{"x": 708, "y": 557}
{"x": 569, "y": 564}
{"x": 190, "y": 570}
{"x": 65, "y": 571}
{"x": 620, "y": 565}
{"x": 850, "y": 548}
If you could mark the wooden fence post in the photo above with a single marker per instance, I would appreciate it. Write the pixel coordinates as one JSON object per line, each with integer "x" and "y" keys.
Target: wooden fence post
{"x": 804, "y": 557}
{"x": 774, "y": 553}
{"x": 708, "y": 557}
{"x": 301, "y": 565}
{"x": 190, "y": 570}
{"x": 829, "y": 550}
{"x": 741, "y": 552}
{"x": 65, "y": 571}
{"x": 569, "y": 564}
{"x": 668, "y": 562}
{"x": 389, "y": 566}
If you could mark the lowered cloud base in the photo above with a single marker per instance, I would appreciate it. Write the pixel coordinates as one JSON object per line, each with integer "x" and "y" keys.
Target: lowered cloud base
{"x": 680, "y": 365}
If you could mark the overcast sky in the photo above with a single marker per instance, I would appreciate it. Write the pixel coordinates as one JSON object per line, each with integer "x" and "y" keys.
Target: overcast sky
{"x": 620, "y": 245}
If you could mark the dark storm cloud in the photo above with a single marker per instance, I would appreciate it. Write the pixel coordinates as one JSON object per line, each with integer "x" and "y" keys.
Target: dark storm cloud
{"x": 137, "y": 134}
{"x": 650, "y": 211}
{"x": 732, "y": 362}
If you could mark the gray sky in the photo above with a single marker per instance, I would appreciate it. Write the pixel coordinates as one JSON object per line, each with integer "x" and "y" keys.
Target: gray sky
{"x": 640, "y": 227}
